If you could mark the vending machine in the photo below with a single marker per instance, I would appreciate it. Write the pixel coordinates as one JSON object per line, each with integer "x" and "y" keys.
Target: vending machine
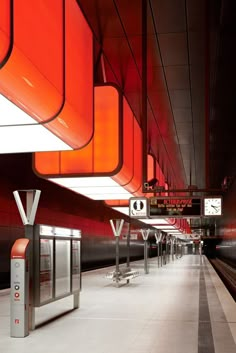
{"x": 19, "y": 312}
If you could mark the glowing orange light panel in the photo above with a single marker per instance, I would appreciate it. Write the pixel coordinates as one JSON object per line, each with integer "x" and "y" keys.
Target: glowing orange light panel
{"x": 5, "y": 29}
{"x": 159, "y": 175}
{"x": 109, "y": 167}
{"x": 123, "y": 205}
{"x": 49, "y": 72}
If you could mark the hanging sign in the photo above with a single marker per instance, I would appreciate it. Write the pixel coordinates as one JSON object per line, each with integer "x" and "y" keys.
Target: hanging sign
{"x": 138, "y": 207}
{"x": 175, "y": 206}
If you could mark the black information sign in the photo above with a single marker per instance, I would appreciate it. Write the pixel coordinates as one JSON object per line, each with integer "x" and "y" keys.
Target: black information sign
{"x": 175, "y": 206}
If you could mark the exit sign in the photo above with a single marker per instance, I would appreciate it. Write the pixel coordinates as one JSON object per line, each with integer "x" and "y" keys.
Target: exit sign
{"x": 175, "y": 207}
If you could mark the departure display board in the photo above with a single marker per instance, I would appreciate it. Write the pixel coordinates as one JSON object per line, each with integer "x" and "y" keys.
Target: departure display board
{"x": 175, "y": 207}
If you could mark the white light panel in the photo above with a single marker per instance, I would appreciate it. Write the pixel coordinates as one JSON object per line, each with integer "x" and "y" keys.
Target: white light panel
{"x": 21, "y": 133}
{"x": 164, "y": 227}
{"x": 124, "y": 210}
{"x": 155, "y": 221}
{"x": 96, "y": 188}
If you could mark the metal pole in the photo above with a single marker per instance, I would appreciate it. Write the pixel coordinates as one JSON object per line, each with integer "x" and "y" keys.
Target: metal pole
{"x": 167, "y": 249}
{"x": 128, "y": 247}
{"x": 76, "y": 300}
{"x": 161, "y": 255}
{"x": 29, "y": 234}
{"x": 144, "y": 90}
{"x": 117, "y": 259}
{"x": 145, "y": 256}
{"x": 145, "y": 234}
{"x": 158, "y": 238}
{"x": 172, "y": 248}
{"x": 117, "y": 231}
{"x": 163, "y": 251}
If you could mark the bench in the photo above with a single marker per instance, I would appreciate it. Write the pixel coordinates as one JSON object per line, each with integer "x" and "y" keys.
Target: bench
{"x": 122, "y": 275}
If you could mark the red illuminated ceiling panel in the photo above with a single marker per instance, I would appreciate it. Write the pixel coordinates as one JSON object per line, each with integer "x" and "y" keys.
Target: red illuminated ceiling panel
{"x": 75, "y": 120}
{"x": 150, "y": 166}
{"x": 109, "y": 167}
{"x": 159, "y": 175}
{"x": 33, "y": 75}
{"x": 123, "y": 205}
{"x": 120, "y": 203}
{"x": 5, "y": 29}
{"x": 49, "y": 72}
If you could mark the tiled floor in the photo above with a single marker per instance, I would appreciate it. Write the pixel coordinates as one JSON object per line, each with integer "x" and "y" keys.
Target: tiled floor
{"x": 181, "y": 307}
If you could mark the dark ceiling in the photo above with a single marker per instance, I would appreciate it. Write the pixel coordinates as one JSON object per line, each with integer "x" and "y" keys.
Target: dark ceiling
{"x": 190, "y": 75}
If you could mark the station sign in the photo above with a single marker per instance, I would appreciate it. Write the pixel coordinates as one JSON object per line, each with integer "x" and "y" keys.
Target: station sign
{"x": 175, "y": 207}
{"x": 138, "y": 207}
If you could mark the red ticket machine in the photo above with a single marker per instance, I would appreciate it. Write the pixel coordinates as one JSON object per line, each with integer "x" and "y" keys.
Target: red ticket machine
{"x": 19, "y": 289}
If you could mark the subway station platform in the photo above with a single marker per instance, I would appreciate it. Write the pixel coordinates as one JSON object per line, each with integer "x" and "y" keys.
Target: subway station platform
{"x": 180, "y": 307}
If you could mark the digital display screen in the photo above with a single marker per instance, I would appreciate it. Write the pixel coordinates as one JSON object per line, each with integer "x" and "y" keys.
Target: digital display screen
{"x": 175, "y": 207}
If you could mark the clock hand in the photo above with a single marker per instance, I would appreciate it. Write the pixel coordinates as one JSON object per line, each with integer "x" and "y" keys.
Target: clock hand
{"x": 215, "y": 207}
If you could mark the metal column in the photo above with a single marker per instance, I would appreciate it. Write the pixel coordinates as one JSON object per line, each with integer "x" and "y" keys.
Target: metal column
{"x": 117, "y": 231}
{"x": 145, "y": 234}
{"x": 158, "y": 239}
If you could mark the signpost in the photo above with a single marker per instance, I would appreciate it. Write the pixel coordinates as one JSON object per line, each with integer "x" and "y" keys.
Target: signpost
{"x": 117, "y": 228}
{"x": 125, "y": 273}
{"x": 145, "y": 234}
{"x": 158, "y": 237}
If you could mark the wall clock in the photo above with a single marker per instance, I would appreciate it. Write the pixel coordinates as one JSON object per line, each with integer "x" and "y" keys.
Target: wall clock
{"x": 212, "y": 206}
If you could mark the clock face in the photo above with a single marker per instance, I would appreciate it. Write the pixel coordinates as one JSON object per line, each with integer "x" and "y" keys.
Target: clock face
{"x": 212, "y": 206}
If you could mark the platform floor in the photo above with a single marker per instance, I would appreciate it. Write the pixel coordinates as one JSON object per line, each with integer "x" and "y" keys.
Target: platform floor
{"x": 181, "y": 307}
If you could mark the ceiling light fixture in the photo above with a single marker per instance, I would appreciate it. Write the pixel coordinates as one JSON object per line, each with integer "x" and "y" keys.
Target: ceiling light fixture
{"x": 46, "y": 88}
{"x": 109, "y": 167}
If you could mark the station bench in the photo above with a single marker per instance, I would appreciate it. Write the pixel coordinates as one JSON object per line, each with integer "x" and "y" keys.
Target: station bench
{"x": 122, "y": 275}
